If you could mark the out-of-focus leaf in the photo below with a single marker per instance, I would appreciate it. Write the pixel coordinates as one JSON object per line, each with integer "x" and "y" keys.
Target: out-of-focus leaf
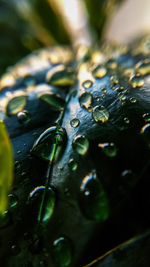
{"x": 134, "y": 252}
{"x": 6, "y": 168}
{"x": 99, "y": 11}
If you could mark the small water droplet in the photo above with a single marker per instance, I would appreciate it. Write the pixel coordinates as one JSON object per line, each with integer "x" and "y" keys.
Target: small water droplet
{"x": 16, "y": 104}
{"x": 99, "y": 72}
{"x": 74, "y": 122}
{"x": 93, "y": 201}
{"x": 24, "y": 117}
{"x": 80, "y": 144}
{"x": 73, "y": 165}
{"x": 111, "y": 63}
{"x": 114, "y": 79}
{"x": 15, "y": 250}
{"x": 146, "y": 117}
{"x": 132, "y": 99}
{"x": 62, "y": 252}
{"x": 143, "y": 67}
{"x": 136, "y": 81}
{"x": 13, "y": 200}
{"x": 87, "y": 84}
{"x": 109, "y": 149}
{"x": 85, "y": 100}
{"x": 54, "y": 100}
{"x": 60, "y": 76}
{"x": 126, "y": 120}
{"x": 43, "y": 146}
{"x": 36, "y": 197}
{"x": 100, "y": 114}
{"x": 104, "y": 91}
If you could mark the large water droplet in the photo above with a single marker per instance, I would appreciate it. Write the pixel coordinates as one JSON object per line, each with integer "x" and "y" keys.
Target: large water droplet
{"x": 143, "y": 67}
{"x": 73, "y": 165}
{"x": 99, "y": 72}
{"x": 109, "y": 149}
{"x": 60, "y": 76}
{"x": 36, "y": 197}
{"x": 87, "y": 84}
{"x": 55, "y": 100}
{"x": 24, "y": 117}
{"x": 43, "y": 147}
{"x": 62, "y": 252}
{"x": 80, "y": 144}
{"x": 93, "y": 201}
{"x": 16, "y": 104}
{"x": 136, "y": 81}
{"x": 85, "y": 100}
{"x": 74, "y": 122}
{"x": 100, "y": 114}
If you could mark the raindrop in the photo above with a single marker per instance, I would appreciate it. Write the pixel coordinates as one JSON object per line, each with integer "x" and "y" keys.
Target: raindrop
{"x": 132, "y": 100}
{"x": 85, "y": 100}
{"x": 23, "y": 117}
{"x": 114, "y": 79}
{"x": 87, "y": 84}
{"x": 109, "y": 149}
{"x": 143, "y": 67}
{"x": 43, "y": 146}
{"x": 55, "y": 100}
{"x": 73, "y": 165}
{"x": 93, "y": 200}
{"x": 16, "y": 104}
{"x": 126, "y": 120}
{"x": 99, "y": 72}
{"x": 112, "y": 64}
{"x": 146, "y": 117}
{"x": 136, "y": 81}
{"x": 74, "y": 122}
{"x": 13, "y": 200}
{"x": 36, "y": 197}
{"x": 100, "y": 114}
{"x": 80, "y": 144}
{"x": 62, "y": 252}
{"x": 60, "y": 76}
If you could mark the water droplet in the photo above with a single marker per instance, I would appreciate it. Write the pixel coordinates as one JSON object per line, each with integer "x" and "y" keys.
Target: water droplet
{"x": 112, "y": 64}
{"x": 100, "y": 114}
{"x": 132, "y": 99}
{"x": 29, "y": 80}
{"x": 114, "y": 79}
{"x": 104, "y": 91}
{"x": 74, "y": 122}
{"x": 43, "y": 146}
{"x": 87, "y": 84}
{"x": 36, "y": 197}
{"x": 24, "y": 117}
{"x": 136, "y": 81}
{"x": 13, "y": 200}
{"x": 85, "y": 100}
{"x": 145, "y": 131}
{"x": 60, "y": 76}
{"x": 55, "y": 100}
{"x": 80, "y": 144}
{"x": 143, "y": 67}
{"x": 99, "y": 72}
{"x": 126, "y": 120}
{"x": 146, "y": 117}
{"x": 15, "y": 250}
{"x": 62, "y": 252}
{"x": 73, "y": 165}
{"x": 16, "y": 104}
{"x": 93, "y": 201}
{"x": 109, "y": 149}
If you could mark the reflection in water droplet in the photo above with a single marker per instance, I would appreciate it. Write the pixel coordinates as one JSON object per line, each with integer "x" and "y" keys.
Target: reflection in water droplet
{"x": 74, "y": 122}
{"x": 16, "y": 104}
{"x": 109, "y": 149}
{"x": 93, "y": 201}
{"x": 80, "y": 144}
{"x": 132, "y": 99}
{"x": 73, "y": 165}
{"x": 24, "y": 117}
{"x": 146, "y": 117}
{"x": 87, "y": 84}
{"x": 13, "y": 200}
{"x": 60, "y": 76}
{"x": 136, "y": 81}
{"x": 36, "y": 197}
{"x": 85, "y": 100}
{"x": 43, "y": 146}
{"x": 62, "y": 252}
{"x": 99, "y": 72}
{"x": 143, "y": 67}
{"x": 55, "y": 100}
{"x": 100, "y": 114}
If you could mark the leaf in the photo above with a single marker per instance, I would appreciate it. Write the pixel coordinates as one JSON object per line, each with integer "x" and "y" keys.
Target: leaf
{"x": 6, "y": 168}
